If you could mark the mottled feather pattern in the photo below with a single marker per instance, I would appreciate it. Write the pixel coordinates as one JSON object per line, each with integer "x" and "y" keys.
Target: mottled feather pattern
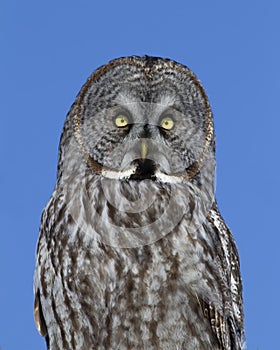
{"x": 137, "y": 261}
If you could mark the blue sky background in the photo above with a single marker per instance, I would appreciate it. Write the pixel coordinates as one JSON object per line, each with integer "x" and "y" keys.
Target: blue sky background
{"x": 49, "y": 48}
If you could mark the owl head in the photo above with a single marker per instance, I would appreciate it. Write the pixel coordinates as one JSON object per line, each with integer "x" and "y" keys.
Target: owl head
{"x": 140, "y": 134}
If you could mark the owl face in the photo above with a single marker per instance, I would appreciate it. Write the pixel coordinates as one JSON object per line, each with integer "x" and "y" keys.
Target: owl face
{"x": 152, "y": 120}
{"x": 144, "y": 129}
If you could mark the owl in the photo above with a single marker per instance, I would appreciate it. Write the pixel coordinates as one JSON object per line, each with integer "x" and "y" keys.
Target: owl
{"x": 132, "y": 251}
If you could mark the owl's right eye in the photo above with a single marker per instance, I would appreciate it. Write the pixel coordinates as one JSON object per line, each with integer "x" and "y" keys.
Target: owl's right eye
{"x": 121, "y": 120}
{"x": 167, "y": 123}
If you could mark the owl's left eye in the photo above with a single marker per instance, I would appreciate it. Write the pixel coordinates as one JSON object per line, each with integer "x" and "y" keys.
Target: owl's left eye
{"x": 167, "y": 123}
{"x": 121, "y": 120}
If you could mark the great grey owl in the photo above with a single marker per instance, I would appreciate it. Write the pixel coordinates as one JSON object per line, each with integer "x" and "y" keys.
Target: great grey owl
{"x": 133, "y": 252}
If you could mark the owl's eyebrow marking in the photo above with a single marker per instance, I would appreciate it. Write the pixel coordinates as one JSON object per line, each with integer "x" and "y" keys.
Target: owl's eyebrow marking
{"x": 120, "y": 109}
{"x": 167, "y": 100}
{"x": 125, "y": 98}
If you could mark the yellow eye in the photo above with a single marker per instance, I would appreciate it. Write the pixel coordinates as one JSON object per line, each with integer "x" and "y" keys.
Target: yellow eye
{"x": 121, "y": 121}
{"x": 167, "y": 123}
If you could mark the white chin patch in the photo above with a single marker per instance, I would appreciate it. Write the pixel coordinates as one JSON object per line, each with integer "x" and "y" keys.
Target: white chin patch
{"x": 173, "y": 179}
{"x": 125, "y": 174}
{"x": 118, "y": 175}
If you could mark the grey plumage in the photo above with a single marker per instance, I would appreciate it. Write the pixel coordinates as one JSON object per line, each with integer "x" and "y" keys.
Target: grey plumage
{"x": 133, "y": 252}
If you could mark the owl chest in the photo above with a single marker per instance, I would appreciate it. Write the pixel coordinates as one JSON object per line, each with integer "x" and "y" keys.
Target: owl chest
{"x": 144, "y": 298}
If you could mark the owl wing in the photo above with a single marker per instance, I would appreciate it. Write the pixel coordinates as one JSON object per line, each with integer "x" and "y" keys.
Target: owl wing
{"x": 47, "y": 220}
{"x": 228, "y": 327}
{"x": 38, "y": 316}
{"x": 224, "y": 327}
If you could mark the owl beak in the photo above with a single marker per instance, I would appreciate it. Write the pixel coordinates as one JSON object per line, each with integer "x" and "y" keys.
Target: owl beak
{"x": 144, "y": 149}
